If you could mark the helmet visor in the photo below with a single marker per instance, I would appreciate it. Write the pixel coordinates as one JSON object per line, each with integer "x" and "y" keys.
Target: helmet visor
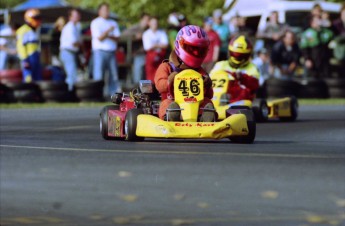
{"x": 196, "y": 51}
{"x": 239, "y": 56}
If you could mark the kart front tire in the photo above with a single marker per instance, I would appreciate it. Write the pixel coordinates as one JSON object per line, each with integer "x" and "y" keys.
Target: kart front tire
{"x": 250, "y": 137}
{"x": 103, "y": 121}
{"x": 260, "y": 110}
{"x": 131, "y": 125}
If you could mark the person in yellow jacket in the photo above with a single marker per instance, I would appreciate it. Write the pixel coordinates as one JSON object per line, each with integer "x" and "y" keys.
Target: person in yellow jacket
{"x": 28, "y": 46}
{"x": 243, "y": 74}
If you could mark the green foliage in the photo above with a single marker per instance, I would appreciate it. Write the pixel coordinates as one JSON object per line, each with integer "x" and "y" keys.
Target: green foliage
{"x": 130, "y": 11}
{"x": 6, "y": 4}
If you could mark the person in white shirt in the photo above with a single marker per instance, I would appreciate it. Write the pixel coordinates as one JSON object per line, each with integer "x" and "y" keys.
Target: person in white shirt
{"x": 105, "y": 34}
{"x": 155, "y": 43}
{"x": 7, "y": 46}
{"x": 70, "y": 43}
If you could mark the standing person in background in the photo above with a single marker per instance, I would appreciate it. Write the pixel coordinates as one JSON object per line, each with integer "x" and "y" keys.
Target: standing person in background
{"x": 28, "y": 46}
{"x": 136, "y": 34}
{"x": 155, "y": 43}
{"x": 223, "y": 32}
{"x": 272, "y": 32}
{"x": 105, "y": 35}
{"x": 262, "y": 62}
{"x": 8, "y": 49}
{"x": 215, "y": 42}
{"x": 285, "y": 56}
{"x": 174, "y": 27}
{"x": 339, "y": 24}
{"x": 70, "y": 43}
{"x": 314, "y": 45}
{"x": 55, "y": 43}
{"x": 339, "y": 40}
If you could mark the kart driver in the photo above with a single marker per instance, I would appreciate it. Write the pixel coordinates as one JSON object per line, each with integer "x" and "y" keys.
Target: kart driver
{"x": 243, "y": 74}
{"x": 191, "y": 46}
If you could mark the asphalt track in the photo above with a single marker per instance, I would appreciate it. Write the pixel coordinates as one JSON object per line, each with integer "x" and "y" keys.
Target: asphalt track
{"x": 57, "y": 170}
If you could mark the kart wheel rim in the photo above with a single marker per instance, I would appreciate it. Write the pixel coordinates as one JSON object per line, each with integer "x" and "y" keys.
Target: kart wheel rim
{"x": 126, "y": 127}
{"x": 100, "y": 125}
{"x": 264, "y": 111}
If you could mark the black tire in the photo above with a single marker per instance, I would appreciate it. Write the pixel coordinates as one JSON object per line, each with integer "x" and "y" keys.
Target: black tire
{"x": 26, "y": 92}
{"x": 337, "y": 92}
{"x": 28, "y": 96}
{"x": 131, "y": 125}
{"x": 313, "y": 88}
{"x": 6, "y": 94}
{"x": 89, "y": 85}
{"x": 293, "y": 109}
{"x": 56, "y": 96}
{"x": 280, "y": 88}
{"x": 22, "y": 86}
{"x": 335, "y": 82}
{"x": 103, "y": 122}
{"x": 89, "y": 93}
{"x": 52, "y": 85}
{"x": 248, "y": 139}
{"x": 260, "y": 110}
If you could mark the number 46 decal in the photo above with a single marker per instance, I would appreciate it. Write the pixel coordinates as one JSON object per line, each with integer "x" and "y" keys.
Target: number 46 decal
{"x": 193, "y": 87}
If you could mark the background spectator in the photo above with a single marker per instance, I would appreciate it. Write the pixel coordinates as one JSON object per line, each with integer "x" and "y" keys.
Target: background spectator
{"x": 213, "y": 50}
{"x": 262, "y": 62}
{"x": 285, "y": 56}
{"x": 155, "y": 43}
{"x": 325, "y": 20}
{"x": 173, "y": 28}
{"x": 314, "y": 45}
{"x": 136, "y": 34}
{"x": 28, "y": 46}
{"x": 223, "y": 32}
{"x": 339, "y": 40}
{"x": 339, "y": 24}
{"x": 273, "y": 31}
{"x": 8, "y": 51}
{"x": 55, "y": 43}
{"x": 105, "y": 34}
{"x": 70, "y": 43}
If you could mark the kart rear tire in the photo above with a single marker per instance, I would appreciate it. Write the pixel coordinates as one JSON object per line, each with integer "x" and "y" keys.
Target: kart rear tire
{"x": 260, "y": 110}
{"x": 103, "y": 122}
{"x": 250, "y": 137}
{"x": 293, "y": 109}
{"x": 131, "y": 125}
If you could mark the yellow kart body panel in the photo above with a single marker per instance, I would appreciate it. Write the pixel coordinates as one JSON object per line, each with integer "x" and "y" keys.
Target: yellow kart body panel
{"x": 220, "y": 80}
{"x": 279, "y": 107}
{"x": 151, "y": 126}
{"x": 189, "y": 93}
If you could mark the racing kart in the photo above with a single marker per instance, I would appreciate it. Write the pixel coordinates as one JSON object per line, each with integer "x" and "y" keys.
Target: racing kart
{"x": 285, "y": 109}
{"x": 134, "y": 116}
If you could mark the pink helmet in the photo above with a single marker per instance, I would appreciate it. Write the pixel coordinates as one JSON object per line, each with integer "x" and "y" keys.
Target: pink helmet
{"x": 191, "y": 45}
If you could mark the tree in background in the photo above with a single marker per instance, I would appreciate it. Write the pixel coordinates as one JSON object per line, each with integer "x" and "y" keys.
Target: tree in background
{"x": 130, "y": 11}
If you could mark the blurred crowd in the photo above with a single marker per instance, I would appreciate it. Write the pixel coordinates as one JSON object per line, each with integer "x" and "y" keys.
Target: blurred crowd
{"x": 279, "y": 52}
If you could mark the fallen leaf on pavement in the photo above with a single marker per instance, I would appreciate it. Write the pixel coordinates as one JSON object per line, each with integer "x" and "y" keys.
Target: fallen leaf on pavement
{"x": 269, "y": 194}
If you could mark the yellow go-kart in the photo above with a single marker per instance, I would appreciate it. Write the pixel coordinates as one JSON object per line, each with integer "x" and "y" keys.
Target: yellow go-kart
{"x": 239, "y": 125}
{"x": 285, "y": 109}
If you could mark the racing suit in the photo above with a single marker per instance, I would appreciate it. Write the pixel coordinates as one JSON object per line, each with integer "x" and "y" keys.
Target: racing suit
{"x": 28, "y": 53}
{"x": 164, "y": 86}
{"x": 243, "y": 81}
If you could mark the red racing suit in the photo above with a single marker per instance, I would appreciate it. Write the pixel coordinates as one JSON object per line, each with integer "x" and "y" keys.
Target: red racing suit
{"x": 161, "y": 80}
{"x": 243, "y": 81}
